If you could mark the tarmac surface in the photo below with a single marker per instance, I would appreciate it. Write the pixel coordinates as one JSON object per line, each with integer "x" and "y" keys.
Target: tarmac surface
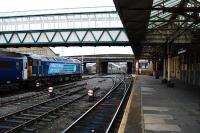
{"x": 154, "y": 108}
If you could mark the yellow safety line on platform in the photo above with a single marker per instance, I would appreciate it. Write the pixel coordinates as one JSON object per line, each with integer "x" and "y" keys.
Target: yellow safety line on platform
{"x": 126, "y": 112}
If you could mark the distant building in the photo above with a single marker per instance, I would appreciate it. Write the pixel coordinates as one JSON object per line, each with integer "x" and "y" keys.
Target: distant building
{"x": 35, "y": 50}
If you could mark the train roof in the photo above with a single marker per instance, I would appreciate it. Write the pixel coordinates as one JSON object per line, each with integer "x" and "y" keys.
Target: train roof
{"x": 7, "y": 54}
{"x": 52, "y": 58}
{"x": 76, "y": 60}
{"x": 63, "y": 59}
{"x": 34, "y": 56}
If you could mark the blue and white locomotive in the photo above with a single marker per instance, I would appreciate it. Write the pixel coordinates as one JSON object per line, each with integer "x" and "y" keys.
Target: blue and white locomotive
{"x": 35, "y": 70}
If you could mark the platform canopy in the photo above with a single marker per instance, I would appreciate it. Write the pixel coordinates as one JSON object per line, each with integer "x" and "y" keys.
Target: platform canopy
{"x": 151, "y": 25}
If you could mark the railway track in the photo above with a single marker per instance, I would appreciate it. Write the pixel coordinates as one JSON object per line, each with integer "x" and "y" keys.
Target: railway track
{"x": 13, "y": 92}
{"x": 27, "y": 120}
{"x": 101, "y": 117}
{"x": 41, "y": 112}
{"x": 58, "y": 89}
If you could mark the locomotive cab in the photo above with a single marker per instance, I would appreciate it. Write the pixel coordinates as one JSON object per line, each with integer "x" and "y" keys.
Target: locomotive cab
{"x": 34, "y": 66}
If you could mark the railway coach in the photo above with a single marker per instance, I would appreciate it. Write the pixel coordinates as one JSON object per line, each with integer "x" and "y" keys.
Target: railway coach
{"x": 13, "y": 69}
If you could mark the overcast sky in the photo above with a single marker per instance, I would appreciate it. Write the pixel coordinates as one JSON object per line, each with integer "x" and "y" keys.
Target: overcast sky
{"x": 23, "y": 5}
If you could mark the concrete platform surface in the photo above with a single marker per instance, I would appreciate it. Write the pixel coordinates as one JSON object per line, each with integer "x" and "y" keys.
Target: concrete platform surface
{"x": 154, "y": 108}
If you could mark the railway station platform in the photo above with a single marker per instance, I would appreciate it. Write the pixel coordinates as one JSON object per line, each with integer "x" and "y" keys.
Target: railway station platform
{"x": 154, "y": 108}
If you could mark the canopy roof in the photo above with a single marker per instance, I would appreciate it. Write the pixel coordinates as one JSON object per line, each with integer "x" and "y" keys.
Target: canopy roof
{"x": 150, "y": 23}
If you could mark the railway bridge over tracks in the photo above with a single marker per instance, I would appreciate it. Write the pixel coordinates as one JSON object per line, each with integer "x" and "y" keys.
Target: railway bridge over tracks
{"x": 103, "y": 60}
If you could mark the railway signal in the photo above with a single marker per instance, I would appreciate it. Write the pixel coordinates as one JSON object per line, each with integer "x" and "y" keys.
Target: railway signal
{"x": 37, "y": 85}
{"x": 91, "y": 95}
{"x": 51, "y": 92}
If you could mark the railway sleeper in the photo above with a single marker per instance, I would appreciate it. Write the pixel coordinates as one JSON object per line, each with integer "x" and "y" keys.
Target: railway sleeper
{"x": 51, "y": 106}
{"x": 58, "y": 113}
{"x": 5, "y": 127}
{"x": 58, "y": 103}
{"x": 65, "y": 85}
{"x": 45, "y": 107}
{"x": 74, "y": 92}
{"x": 46, "y": 120}
{"x": 6, "y": 123}
{"x": 30, "y": 115}
{"x": 41, "y": 123}
{"x": 15, "y": 121}
{"x": 26, "y": 129}
{"x": 22, "y": 118}
{"x": 37, "y": 112}
{"x": 60, "y": 93}
{"x": 63, "y": 111}
{"x": 66, "y": 98}
{"x": 100, "y": 119}
{"x": 83, "y": 129}
{"x": 52, "y": 116}
{"x": 66, "y": 109}
{"x": 54, "y": 103}
{"x": 95, "y": 123}
{"x": 93, "y": 129}
{"x": 40, "y": 110}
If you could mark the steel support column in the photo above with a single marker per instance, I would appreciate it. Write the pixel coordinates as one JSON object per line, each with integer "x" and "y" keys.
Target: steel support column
{"x": 164, "y": 69}
{"x": 168, "y": 64}
{"x": 137, "y": 67}
{"x": 129, "y": 67}
{"x": 104, "y": 67}
{"x": 169, "y": 83}
{"x": 154, "y": 67}
{"x": 156, "y": 70}
{"x": 164, "y": 80}
{"x": 98, "y": 68}
{"x": 84, "y": 68}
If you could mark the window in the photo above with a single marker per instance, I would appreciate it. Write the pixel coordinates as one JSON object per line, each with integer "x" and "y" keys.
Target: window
{"x": 29, "y": 62}
{"x": 39, "y": 63}
{"x": 17, "y": 65}
{"x": 5, "y": 65}
{"x": 26, "y": 65}
{"x": 35, "y": 63}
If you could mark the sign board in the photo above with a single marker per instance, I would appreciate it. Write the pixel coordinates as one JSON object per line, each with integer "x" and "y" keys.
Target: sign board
{"x": 182, "y": 50}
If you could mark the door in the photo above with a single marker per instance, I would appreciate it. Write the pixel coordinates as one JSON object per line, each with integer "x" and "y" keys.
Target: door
{"x": 25, "y": 70}
{"x": 39, "y": 68}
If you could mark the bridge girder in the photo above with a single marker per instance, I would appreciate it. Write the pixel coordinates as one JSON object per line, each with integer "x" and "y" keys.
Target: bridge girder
{"x": 65, "y": 37}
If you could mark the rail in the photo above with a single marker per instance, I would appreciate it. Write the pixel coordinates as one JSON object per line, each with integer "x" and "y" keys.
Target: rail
{"x": 87, "y": 113}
